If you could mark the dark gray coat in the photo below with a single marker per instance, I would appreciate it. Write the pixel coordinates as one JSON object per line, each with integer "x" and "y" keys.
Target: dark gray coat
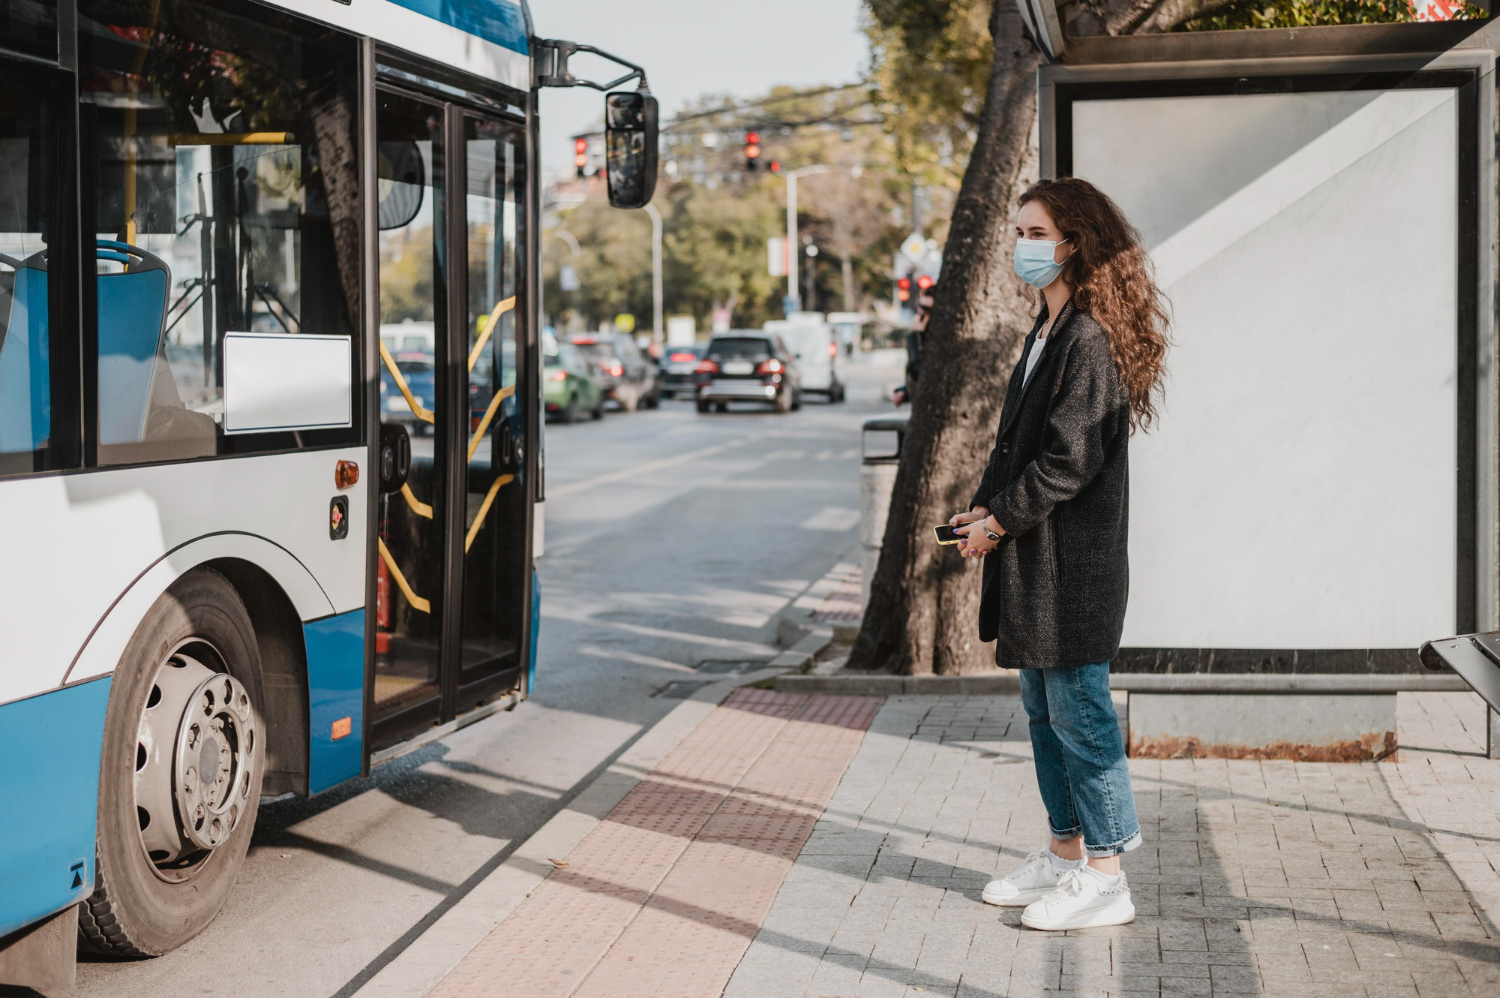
{"x": 1058, "y": 482}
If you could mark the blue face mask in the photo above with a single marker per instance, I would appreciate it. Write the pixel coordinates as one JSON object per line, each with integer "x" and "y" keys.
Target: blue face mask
{"x": 1034, "y": 261}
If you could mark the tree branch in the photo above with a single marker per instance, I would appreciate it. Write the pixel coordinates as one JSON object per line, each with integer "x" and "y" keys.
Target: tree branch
{"x": 1158, "y": 17}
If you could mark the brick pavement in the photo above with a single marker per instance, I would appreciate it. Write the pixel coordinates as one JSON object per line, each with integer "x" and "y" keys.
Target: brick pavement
{"x": 664, "y": 896}
{"x": 1256, "y": 878}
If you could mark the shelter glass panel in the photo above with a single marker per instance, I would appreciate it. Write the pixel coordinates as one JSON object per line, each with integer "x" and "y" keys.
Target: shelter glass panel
{"x": 1300, "y": 489}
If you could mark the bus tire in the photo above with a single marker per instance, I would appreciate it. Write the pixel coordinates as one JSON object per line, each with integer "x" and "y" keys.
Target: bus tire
{"x": 145, "y": 905}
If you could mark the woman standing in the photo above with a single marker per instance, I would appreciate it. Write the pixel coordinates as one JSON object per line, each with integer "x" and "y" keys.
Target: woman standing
{"x": 1052, "y": 510}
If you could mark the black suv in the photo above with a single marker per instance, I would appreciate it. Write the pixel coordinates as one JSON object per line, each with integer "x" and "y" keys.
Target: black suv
{"x": 748, "y": 366}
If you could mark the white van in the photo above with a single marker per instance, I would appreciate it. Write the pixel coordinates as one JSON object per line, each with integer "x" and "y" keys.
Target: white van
{"x": 815, "y": 348}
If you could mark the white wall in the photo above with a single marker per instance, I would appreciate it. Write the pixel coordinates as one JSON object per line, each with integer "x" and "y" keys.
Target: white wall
{"x": 1300, "y": 490}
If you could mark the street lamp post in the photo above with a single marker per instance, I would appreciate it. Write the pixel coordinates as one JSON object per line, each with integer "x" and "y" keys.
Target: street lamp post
{"x": 791, "y": 230}
{"x": 656, "y": 329}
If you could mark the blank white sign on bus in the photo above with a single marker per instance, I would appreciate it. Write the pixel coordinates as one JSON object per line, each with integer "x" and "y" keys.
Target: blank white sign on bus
{"x": 279, "y": 381}
{"x": 1300, "y": 490}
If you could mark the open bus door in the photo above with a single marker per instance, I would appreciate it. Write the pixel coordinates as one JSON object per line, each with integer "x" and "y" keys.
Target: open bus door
{"x": 1319, "y": 494}
{"x": 453, "y": 586}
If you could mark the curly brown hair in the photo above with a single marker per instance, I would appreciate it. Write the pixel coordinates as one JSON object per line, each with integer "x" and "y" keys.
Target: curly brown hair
{"x": 1114, "y": 281}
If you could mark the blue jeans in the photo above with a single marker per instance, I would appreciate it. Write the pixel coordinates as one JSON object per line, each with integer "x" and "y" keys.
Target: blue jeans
{"x": 1080, "y": 757}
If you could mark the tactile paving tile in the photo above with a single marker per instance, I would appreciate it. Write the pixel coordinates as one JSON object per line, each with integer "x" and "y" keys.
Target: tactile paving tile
{"x": 663, "y": 897}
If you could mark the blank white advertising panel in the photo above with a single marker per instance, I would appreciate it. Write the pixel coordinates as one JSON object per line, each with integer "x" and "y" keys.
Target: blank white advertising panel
{"x": 282, "y": 381}
{"x": 1300, "y": 490}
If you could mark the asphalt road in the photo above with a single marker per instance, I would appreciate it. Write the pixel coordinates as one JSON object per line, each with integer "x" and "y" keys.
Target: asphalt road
{"x": 672, "y": 541}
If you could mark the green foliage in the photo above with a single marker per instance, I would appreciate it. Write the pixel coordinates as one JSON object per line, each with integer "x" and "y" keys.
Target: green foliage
{"x": 1311, "y": 13}
{"x": 714, "y": 251}
{"x": 930, "y": 64}
{"x": 614, "y": 267}
{"x": 406, "y": 276}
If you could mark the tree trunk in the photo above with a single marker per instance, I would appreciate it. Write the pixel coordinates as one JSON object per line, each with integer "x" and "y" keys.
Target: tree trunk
{"x": 924, "y": 599}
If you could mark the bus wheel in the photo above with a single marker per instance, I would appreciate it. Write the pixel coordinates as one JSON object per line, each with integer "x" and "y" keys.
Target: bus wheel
{"x": 180, "y": 774}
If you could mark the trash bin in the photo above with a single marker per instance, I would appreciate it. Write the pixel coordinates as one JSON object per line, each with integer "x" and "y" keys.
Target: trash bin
{"x": 880, "y": 449}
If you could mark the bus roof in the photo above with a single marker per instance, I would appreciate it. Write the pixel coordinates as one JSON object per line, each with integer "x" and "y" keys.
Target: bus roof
{"x": 488, "y": 38}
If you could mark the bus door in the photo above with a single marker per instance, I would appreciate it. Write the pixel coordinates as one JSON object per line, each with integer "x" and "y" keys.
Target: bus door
{"x": 452, "y": 576}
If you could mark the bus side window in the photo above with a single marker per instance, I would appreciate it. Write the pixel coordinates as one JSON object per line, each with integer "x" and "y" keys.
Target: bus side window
{"x": 220, "y": 146}
{"x": 34, "y": 377}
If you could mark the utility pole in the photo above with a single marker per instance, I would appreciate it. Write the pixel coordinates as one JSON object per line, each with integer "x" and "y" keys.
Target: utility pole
{"x": 657, "y": 333}
{"x": 791, "y": 230}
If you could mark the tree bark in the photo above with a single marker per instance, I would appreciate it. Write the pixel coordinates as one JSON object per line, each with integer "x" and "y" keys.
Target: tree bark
{"x": 924, "y": 599}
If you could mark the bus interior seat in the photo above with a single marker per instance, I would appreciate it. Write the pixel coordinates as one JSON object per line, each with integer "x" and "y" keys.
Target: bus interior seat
{"x": 138, "y": 398}
{"x": 25, "y": 375}
{"x": 132, "y": 313}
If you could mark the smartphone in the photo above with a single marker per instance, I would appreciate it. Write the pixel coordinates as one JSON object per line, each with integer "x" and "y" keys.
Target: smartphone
{"x": 945, "y": 534}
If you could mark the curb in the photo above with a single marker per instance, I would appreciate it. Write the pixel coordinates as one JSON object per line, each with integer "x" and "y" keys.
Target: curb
{"x": 432, "y": 956}
{"x": 1009, "y": 683}
{"x": 893, "y": 686}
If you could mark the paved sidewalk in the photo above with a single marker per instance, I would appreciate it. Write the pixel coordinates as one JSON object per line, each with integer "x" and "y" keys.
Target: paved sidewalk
{"x": 854, "y": 860}
{"x": 1256, "y": 878}
{"x": 663, "y": 897}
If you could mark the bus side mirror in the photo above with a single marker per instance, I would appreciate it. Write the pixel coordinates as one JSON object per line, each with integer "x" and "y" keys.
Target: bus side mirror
{"x": 630, "y": 148}
{"x": 395, "y": 457}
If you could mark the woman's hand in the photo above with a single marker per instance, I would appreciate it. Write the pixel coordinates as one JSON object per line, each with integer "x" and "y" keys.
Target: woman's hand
{"x": 975, "y": 542}
{"x": 959, "y": 519}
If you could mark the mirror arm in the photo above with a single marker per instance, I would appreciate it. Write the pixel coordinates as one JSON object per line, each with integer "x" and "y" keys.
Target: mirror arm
{"x": 551, "y": 61}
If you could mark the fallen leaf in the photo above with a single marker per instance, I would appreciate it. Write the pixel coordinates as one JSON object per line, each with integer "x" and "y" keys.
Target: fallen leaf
{"x": 559, "y": 863}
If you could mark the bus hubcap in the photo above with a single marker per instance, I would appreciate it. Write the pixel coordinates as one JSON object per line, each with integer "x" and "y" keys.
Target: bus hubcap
{"x": 194, "y": 756}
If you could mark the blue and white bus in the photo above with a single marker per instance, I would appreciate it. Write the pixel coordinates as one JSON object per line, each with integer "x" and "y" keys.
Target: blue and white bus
{"x": 249, "y": 546}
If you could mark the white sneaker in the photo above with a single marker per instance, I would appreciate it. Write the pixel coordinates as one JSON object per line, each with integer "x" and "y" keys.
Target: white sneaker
{"x": 1083, "y": 899}
{"x": 1035, "y": 878}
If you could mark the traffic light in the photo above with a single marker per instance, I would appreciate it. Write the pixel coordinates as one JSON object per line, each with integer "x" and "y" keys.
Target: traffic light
{"x": 903, "y": 289}
{"x": 581, "y": 155}
{"x": 752, "y": 150}
{"x": 775, "y": 166}
{"x": 924, "y": 282}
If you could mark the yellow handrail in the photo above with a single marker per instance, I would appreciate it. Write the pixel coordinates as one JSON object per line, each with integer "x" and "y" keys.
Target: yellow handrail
{"x": 489, "y": 414}
{"x": 232, "y": 139}
{"x": 417, "y": 506}
{"x": 417, "y": 603}
{"x": 425, "y": 415}
{"x": 484, "y": 509}
{"x": 501, "y": 307}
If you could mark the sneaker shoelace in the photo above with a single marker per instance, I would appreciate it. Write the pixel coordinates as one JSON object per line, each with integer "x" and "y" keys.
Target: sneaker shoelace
{"x": 1070, "y": 886}
{"x": 1040, "y": 856}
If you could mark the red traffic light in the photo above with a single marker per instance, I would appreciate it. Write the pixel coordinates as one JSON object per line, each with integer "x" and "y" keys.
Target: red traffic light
{"x": 775, "y": 166}
{"x": 924, "y": 282}
{"x": 752, "y": 138}
{"x": 580, "y": 145}
{"x": 904, "y": 283}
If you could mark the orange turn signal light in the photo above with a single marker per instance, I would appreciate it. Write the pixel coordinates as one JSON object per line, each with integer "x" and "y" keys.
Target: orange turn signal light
{"x": 346, "y": 474}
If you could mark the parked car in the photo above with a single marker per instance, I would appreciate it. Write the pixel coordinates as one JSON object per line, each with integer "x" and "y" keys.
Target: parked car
{"x": 748, "y": 366}
{"x": 815, "y": 347}
{"x": 417, "y": 368}
{"x": 679, "y": 367}
{"x": 571, "y": 386}
{"x": 628, "y": 377}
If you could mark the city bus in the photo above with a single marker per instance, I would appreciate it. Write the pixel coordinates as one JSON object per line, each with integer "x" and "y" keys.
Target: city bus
{"x": 249, "y": 548}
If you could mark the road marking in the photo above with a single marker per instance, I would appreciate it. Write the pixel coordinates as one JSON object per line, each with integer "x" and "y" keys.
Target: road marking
{"x": 636, "y": 471}
{"x": 834, "y": 518}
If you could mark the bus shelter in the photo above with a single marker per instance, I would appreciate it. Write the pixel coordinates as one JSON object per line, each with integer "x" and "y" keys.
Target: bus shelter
{"x": 1320, "y": 496}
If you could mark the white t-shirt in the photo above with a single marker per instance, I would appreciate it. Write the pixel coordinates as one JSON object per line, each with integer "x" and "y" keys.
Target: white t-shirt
{"x": 1036, "y": 355}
